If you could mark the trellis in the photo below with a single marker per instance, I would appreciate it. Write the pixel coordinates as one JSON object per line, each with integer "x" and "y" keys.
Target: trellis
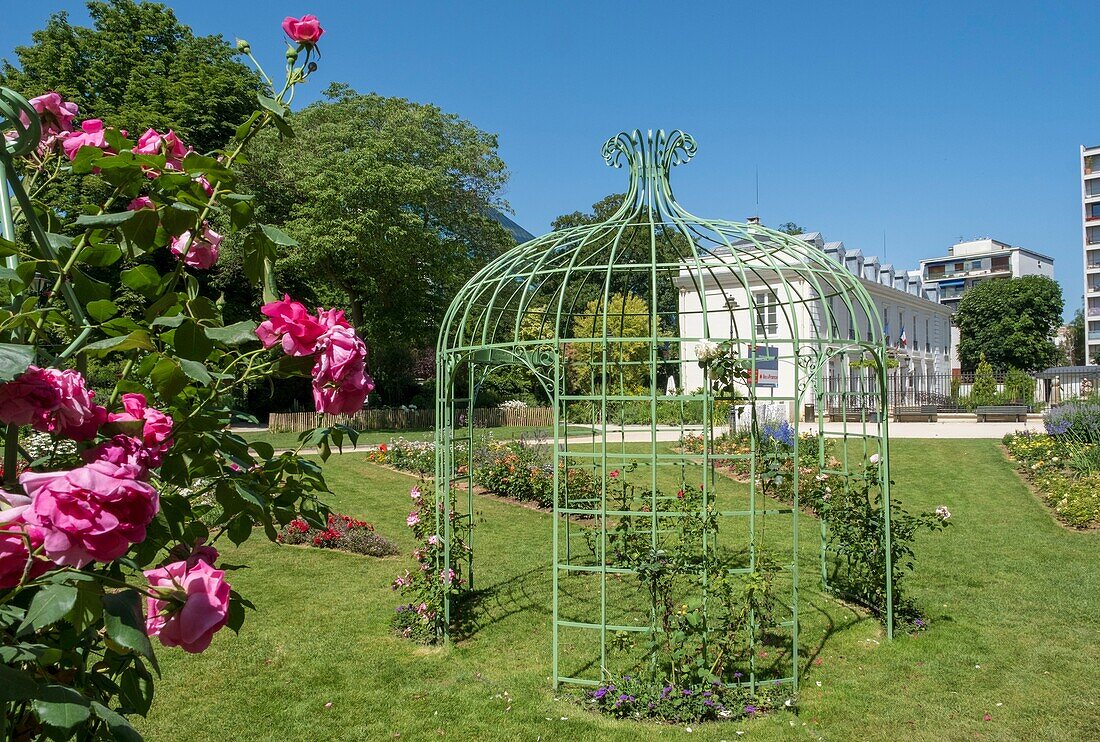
{"x": 602, "y": 316}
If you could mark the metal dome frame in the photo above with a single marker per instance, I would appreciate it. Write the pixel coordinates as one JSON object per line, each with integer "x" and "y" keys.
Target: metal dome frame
{"x": 524, "y": 308}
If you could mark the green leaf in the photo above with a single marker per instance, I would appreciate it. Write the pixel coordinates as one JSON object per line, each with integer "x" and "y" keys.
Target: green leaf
{"x": 138, "y": 339}
{"x": 243, "y": 129}
{"x": 125, "y": 624}
{"x": 240, "y": 528}
{"x": 86, "y": 159}
{"x": 102, "y": 310}
{"x": 14, "y": 360}
{"x": 278, "y": 236}
{"x": 178, "y": 218}
{"x": 104, "y": 220}
{"x": 49, "y": 605}
{"x": 136, "y": 690}
{"x": 61, "y": 708}
{"x": 20, "y": 686}
{"x": 87, "y": 288}
{"x": 174, "y": 320}
{"x": 143, "y": 278}
{"x": 117, "y": 723}
{"x": 238, "y": 333}
{"x": 141, "y": 230}
{"x": 168, "y": 378}
{"x": 271, "y": 105}
{"x": 87, "y": 610}
{"x": 196, "y": 371}
{"x": 100, "y": 254}
{"x": 190, "y": 341}
{"x": 7, "y": 247}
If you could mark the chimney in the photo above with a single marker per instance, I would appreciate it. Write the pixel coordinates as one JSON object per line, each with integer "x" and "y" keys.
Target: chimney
{"x": 754, "y": 220}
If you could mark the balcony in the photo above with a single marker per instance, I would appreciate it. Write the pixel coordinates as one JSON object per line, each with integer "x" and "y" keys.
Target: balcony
{"x": 1094, "y": 334}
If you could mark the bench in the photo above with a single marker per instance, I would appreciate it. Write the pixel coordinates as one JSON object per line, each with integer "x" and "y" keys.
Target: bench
{"x": 852, "y": 415}
{"x": 925, "y": 413}
{"x": 1002, "y": 413}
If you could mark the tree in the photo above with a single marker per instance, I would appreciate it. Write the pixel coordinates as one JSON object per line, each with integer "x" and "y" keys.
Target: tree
{"x": 390, "y": 201}
{"x": 1076, "y": 349}
{"x": 1012, "y": 322}
{"x": 790, "y": 228}
{"x": 139, "y": 67}
{"x": 627, "y": 362}
{"x": 985, "y": 384}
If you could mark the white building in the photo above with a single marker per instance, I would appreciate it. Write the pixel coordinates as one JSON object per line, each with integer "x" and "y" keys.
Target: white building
{"x": 969, "y": 263}
{"x": 1090, "y": 229}
{"x": 917, "y": 326}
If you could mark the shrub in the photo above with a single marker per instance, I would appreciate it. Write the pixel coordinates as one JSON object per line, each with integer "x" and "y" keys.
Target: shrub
{"x": 1080, "y": 420}
{"x": 417, "y": 457}
{"x": 985, "y": 385}
{"x": 343, "y": 533}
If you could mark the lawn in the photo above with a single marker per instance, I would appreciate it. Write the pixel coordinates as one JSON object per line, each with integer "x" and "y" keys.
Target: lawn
{"x": 1013, "y": 598}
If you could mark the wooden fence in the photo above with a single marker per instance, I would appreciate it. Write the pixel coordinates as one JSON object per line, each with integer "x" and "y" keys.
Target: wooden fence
{"x": 296, "y": 422}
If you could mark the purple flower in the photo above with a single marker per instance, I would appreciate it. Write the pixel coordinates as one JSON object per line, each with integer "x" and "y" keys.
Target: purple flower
{"x": 687, "y": 692}
{"x": 599, "y": 693}
{"x": 919, "y": 623}
{"x": 708, "y": 702}
{"x": 750, "y": 710}
{"x": 737, "y": 676}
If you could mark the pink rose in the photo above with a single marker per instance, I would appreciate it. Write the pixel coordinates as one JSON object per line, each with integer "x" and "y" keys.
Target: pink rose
{"x": 56, "y": 116}
{"x": 193, "y": 607}
{"x": 141, "y": 202}
{"x": 170, "y": 145}
{"x": 120, "y": 450}
{"x": 52, "y": 401}
{"x": 305, "y": 30}
{"x": 28, "y": 398}
{"x": 192, "y": 555}
{"x": 291, "y": 324}
{"x": 93, "y": 513}
{"x": 157, "y": 432}
{"x": 90, "y": 135}
{"x": 77, "y": 416}
{"x": 14, "y": 535}
{"x": 329, "y": 318}
{"x": 202, "y": 253}
{"x": 340, "y": 380}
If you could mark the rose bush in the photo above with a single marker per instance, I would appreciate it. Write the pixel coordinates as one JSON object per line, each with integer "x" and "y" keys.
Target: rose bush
{"x": 117, "y": 501}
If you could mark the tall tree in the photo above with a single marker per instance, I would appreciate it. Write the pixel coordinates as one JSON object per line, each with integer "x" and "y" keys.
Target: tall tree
{"x": 137, "y": 66}
{"x": 1011, "y": 322}
{"x": 790, "y": 228}
{"x": 390, "y": 201}
{"x": 1076, "y": 340}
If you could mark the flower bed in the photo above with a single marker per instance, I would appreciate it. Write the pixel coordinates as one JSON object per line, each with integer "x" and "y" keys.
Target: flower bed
{"x": 1064, "y": 469}
{"x": 343, "y": 533}
{"x": 639, "y": 698}
{"x": 417, "y": 457}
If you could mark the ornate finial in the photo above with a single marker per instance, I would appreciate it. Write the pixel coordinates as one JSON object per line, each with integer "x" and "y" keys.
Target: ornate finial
{"x": 18, "y": 116}
{"x": 650, "y": 157}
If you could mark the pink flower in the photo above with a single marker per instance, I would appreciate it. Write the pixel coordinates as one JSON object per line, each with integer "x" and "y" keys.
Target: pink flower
{"x": 202, "y": 553}
{"x": 413, "y": 519}
{"x": 29, "y": 398}
{"x": 290, "y": 323}
{"x": 447, "y": 576}
{"x": 433, "y": 540}
{"x": 56, "y": 116}
{"x": 340, "y": 381}
{"x": 305, "y": 30}
{"x": 193, "y": 607}
{"x": 90, "y": 135}
{"x": 156, "y": 433}
{"x": 614, "y": 474}
{"x": 52, "y": 401}
{"x": 92, "y": 513}
{"x": 14, "y": 537}
{"x": 141, "y": 202}
{"x": 120, "y": 450}
{"x": 415, "y": 493}
{"x": 202, "y": 253}
{"x": 329, "y": 318}
{"x": 170, "y": 145}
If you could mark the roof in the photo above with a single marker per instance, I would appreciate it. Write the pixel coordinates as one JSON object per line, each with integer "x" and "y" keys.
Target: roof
{"x": 519, "y": 234}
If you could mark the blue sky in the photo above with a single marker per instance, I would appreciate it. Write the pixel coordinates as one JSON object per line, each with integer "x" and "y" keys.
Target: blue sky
{"x": 928, "y": 122}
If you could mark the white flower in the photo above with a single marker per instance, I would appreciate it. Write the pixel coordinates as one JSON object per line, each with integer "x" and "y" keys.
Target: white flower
{"x": 943, "y": 513}
{"x": 874, "y": 459}
{"x": 821, "y": 477}
{"x": 707, "y": 350}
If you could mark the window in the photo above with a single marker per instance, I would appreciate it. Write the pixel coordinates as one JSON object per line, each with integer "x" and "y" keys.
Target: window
{"x": 936, "y": 271}
{"x": 1092, "y": 164}
{"x": 1093, "y": 211}
{"x": 767, "y": 313}
{"x": 1000, "y": 263}
{"x": 975, "y": 265}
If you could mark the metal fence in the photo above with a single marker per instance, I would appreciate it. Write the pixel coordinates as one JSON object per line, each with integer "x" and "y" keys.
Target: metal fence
{"x": 953, "y": 392}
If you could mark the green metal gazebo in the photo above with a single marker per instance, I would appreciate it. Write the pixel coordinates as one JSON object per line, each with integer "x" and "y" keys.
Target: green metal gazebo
{"x": 620, "y": 322}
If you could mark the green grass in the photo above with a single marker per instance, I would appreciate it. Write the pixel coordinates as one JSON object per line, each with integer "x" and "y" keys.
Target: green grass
{"x": 371, "y": 437}
{"x": 1013, "y": 598}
